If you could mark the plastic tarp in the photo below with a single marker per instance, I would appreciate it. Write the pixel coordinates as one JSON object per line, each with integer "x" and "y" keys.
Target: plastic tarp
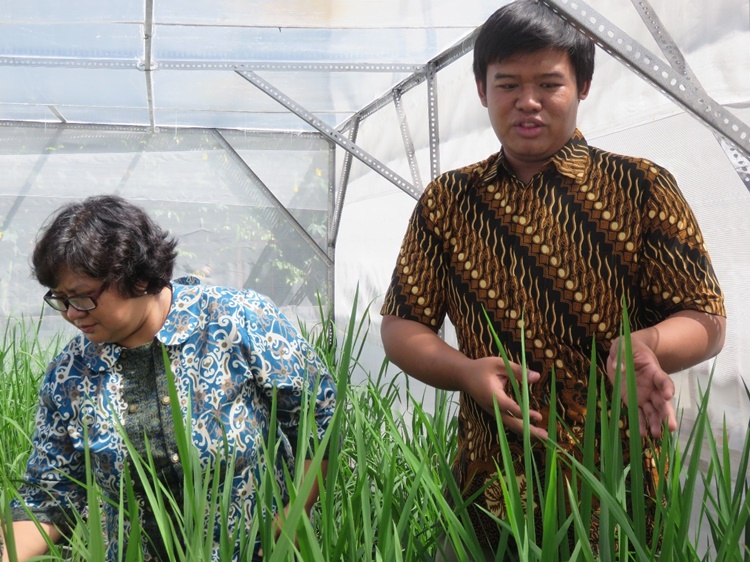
{"x": 148, "y": 99}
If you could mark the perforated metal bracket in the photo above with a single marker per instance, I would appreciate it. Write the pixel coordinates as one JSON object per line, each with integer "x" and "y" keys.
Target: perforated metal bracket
{"x": 408, "y": 142}
{"x": 72, "y": 62}
{"x": 148, "y": 33}
{"x": 343, "y": 184}
{"x": 281, "y": 66}
{"x": 420, "y": 74}
{"x": 330, "y": 133}
{"x": 649, "y": 66}
{"x": 738, "y": 159}
{"x": 433, "y": 120}
{"x": 675, "y": 58}
{"x": 191, "y": 64}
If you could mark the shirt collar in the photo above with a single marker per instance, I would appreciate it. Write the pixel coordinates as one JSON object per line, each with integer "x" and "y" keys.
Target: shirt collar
{"x": 572, "y": 160}
{"x": 184, "y": 318}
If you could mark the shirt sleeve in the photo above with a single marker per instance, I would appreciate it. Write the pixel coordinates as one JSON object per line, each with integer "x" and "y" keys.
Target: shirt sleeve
{"x": 50, "y": 491}
{"x": 415, "y": 292}
{"x": 285, "y": 362}
{"x": 677, "y": 270}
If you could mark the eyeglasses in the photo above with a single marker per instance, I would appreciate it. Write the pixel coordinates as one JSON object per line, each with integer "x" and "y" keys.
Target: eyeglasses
{"x": 83, "y": 303}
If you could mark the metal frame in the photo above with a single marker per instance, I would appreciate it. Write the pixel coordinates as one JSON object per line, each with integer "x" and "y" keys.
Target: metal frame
{"x": 169, "y": 64}
{"x": 677, "y": 84}
{"x": 672, "y": 77}
{"x": 675, "y": 58}
{"x": 408, "y": 143}
{"x": 432, "y": 115}
{"x": 147, "y": 64}
{"x": 248, "y": 171}
{"x": 343, "y": 185}
{"x": 329, "y": 133}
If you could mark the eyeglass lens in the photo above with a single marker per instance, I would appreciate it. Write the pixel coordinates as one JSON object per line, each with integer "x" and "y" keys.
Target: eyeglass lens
{"x": 83, "y": 303}
{"x": 79, "y": 303}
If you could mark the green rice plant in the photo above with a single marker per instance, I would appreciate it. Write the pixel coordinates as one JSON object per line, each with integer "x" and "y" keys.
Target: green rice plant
{"x": 22, "y": 361}
{"x": 386, "y": 490}
{"x": 726, "y": 506}
{"x": 618, "y": 488}
{"x": 22, "y": 364}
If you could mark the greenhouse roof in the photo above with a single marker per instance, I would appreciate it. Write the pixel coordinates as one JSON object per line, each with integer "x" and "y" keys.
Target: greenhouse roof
{"x": 170, "y": 63}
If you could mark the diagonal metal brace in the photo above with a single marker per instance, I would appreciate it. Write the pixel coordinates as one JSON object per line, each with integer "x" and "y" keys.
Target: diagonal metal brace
{"x": 675, "y": 58}
{"x": 330, "y": 133}
{"x": 239, "y": 161}
{"x": 655, "y": 71}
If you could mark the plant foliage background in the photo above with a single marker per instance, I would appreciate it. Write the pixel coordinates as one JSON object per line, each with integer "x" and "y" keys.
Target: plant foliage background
{"x": 388, "y": 493}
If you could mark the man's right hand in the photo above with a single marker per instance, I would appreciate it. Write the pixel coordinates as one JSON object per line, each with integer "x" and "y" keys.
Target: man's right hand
{"x": 422, "y": 354}
{"x": 487, "y": 381}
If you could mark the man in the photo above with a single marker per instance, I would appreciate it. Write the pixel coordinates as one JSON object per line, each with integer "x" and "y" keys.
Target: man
{"x": 549, "y": 236}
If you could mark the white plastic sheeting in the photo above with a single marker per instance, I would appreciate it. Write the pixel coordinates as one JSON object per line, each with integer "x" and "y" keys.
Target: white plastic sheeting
{"x": 623, "y": 114}
{"x": 127, "y": 97}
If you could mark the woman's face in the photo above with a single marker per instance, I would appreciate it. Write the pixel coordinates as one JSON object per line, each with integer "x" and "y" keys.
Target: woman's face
{"x": 116, "y": 318}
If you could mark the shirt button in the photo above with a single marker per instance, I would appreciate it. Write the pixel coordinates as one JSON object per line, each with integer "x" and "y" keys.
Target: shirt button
{"x": 133, "y": 408}
{"x": 165, "y": 400}
{"x": 175, "y": 458}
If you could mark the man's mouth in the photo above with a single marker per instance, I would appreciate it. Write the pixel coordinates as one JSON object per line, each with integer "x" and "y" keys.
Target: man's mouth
{"x": 528, "y": 124}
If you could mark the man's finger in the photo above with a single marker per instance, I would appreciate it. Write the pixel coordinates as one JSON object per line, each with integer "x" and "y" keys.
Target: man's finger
{"x": 532, "y": 376}
{"x": 642, "y": 423}
{"x": 516, "y": 425}
{"x": 655, "y": 419}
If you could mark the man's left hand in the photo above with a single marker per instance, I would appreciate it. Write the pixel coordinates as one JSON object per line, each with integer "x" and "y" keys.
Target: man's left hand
{"x": 654, "y": 388}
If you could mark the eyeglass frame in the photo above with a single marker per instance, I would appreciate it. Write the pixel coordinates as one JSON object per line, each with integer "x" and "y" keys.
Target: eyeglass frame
{"x": 49, "y": 298}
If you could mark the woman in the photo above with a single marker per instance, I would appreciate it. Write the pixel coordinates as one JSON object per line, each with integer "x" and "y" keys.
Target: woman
{"x": 108, "y": 268}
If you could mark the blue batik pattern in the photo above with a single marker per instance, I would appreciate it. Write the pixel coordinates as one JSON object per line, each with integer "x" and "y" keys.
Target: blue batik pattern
{"x": 229, "y": 351}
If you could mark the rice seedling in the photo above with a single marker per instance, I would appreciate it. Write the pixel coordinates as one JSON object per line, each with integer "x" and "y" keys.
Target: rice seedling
{"x": 386, "y": 491}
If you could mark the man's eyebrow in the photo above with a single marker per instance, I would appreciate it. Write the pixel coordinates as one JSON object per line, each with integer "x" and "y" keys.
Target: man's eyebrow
{"x": 543, "y": 76}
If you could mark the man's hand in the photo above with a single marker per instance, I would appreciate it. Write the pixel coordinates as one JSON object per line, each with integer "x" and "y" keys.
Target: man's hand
{"x": 421, "y": 353}
{"x": 654, "y": 387}
{"x": 488, "y": 379}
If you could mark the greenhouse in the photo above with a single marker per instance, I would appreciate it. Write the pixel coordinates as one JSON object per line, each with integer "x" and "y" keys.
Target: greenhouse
{"x": 285, "y": 145}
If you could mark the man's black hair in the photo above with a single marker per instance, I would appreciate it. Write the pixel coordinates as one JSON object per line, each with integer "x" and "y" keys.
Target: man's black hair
{"x": 528, "y": 26}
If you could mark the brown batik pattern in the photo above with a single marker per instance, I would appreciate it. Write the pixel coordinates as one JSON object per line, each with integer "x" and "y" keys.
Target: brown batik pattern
{"x": 552, "y": 261}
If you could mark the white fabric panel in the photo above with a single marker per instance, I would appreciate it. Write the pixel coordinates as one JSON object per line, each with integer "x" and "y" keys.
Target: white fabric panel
{"x": 623, "y": 114}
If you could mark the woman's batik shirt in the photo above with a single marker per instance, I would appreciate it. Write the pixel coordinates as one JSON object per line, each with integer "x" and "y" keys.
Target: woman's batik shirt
{"x": 229, "y": 351}
{"x": 550, "y": 261}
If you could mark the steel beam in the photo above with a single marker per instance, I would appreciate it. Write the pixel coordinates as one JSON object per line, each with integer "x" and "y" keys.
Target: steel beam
{"x": 408, "y": 143}
{"x": 433, "y": 121}
{"x": 671, "y": 82}
{"x": 343, "y": 185}
{"x": 675, "y": 58}
{"x": 330, "y": 133}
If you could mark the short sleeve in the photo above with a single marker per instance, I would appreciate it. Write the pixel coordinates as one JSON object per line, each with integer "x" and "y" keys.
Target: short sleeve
{"x": 677, "y": 273}
{"x": 416, "y": 289}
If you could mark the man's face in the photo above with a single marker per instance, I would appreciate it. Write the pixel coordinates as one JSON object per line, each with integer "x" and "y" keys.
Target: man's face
{"x": 532, "y": 100}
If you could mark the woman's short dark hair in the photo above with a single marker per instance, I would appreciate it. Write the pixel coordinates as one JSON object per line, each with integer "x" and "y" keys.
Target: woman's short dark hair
{"x": 528, "y": 26}
{"x": 108, "y": 239}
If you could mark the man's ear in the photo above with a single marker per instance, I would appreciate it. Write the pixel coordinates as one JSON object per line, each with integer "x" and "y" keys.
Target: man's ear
{"x": 583, "y": 92}
{"x": 482, "y": 91}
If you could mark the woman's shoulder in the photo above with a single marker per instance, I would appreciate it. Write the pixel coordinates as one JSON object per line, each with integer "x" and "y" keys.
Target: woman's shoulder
{"x": 214, "y": 302}
{"x": 191, "y": 288}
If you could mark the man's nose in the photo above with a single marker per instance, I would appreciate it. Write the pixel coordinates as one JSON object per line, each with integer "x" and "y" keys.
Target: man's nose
{"x": 528, "y": 99}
